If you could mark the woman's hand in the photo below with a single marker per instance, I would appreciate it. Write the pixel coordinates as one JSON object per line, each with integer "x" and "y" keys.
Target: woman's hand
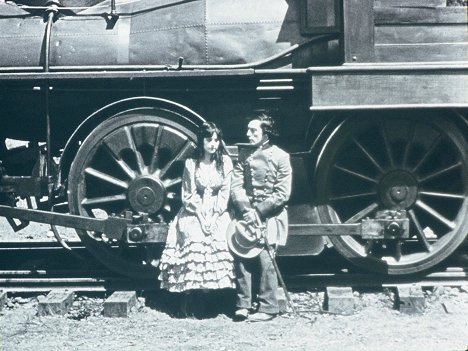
{"x": 204, "y": 223}
{"x": 212, "y": 222}
{"x": 208, "y": 223}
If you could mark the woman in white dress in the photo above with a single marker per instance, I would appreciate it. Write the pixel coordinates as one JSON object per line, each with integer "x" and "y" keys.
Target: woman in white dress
{"x": 196, "y": 256}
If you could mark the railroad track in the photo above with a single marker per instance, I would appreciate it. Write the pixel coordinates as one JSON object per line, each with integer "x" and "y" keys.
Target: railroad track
{"x": 35, "y": 281}
{"x": 38, "y": 281}
{"x": 452, "y": 276}
{"x": 45, "y": 266}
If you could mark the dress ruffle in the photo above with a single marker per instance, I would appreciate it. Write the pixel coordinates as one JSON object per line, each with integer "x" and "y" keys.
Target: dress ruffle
{"x": 194, "y": 260}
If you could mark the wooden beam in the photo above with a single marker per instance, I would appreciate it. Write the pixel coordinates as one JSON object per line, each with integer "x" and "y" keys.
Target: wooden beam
{"x": 424, "y": 35}
{"x": 421, "y": 52}
{"x": 389, "y": 89}
{"x": 439, "y": 15}
{"x": 410, "y": 3}
{"x": 358, "y": 20}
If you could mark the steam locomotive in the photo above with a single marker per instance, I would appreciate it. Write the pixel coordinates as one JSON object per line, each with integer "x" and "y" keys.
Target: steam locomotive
{"x": 370, "y": 97}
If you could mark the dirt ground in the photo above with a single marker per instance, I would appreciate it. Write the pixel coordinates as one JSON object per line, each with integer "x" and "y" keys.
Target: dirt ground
{"x": 375, "y": 324}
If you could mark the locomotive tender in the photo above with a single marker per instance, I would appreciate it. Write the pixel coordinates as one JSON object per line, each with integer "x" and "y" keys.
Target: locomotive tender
{"x": 370, "y": 96}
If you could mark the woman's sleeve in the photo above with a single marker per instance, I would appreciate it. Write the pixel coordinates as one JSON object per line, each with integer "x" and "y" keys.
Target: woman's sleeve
{"x": 223, "y": 193}
{"x": 190, "y": 197}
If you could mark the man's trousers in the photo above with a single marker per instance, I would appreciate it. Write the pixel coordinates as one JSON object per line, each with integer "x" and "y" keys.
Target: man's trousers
{"x": 257, "y": 273}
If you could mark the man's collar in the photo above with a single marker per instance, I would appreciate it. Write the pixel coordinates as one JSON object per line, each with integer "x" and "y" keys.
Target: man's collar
{"x": 266, "y": 144}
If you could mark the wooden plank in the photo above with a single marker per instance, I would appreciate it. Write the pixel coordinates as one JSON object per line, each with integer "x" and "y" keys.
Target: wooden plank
{"x": 394, "y": 15}
{"x": 410, "y": 3}
{"x": 406, "y": 34}
{"x": 421, "y": 52}
{"x": 358, "y": 22}
{"x": 393, "y": 88}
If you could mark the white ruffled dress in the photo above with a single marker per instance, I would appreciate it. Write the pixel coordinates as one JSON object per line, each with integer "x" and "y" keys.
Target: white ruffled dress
{"x": 192, "y": 259}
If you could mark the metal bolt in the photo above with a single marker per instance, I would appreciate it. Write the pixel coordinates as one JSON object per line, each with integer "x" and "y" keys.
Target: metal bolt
{"x": 135, "y": 234}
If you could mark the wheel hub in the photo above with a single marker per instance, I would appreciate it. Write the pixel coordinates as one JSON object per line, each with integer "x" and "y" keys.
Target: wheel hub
{"x": 146, "y": 194}
{"x": 398, "y": 190}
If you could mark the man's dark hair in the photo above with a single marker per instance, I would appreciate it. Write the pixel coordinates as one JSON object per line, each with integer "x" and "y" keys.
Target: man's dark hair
{"x": 268, "y": 125}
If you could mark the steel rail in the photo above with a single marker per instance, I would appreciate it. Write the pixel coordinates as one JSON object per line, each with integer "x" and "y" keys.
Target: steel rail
{"x": 452, "y": 276}
{"x": 44, "y": 280}
{"x": 23, "y": 283}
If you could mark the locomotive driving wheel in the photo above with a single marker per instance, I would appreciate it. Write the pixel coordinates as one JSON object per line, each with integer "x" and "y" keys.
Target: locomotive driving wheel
{"x": 132, "y": 162}
{"x": 412, "y": 163}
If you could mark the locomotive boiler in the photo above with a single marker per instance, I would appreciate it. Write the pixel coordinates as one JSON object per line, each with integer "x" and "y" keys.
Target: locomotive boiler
{"x": 370, "y": 97}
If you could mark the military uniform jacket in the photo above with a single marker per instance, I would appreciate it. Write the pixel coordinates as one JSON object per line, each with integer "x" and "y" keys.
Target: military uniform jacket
{"x": 262, "y": 180}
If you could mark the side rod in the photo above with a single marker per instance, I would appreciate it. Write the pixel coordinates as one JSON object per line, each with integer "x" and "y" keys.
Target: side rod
{"x": 114, "y": 227}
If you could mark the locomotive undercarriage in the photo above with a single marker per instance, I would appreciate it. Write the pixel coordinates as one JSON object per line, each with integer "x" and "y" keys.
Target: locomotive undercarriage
{"x": 389, "y": 188}
{"x": 389, "y": 201}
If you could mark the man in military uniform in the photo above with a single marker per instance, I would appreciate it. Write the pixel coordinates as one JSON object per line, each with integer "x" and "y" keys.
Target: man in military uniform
{"x": 261, "y": 186}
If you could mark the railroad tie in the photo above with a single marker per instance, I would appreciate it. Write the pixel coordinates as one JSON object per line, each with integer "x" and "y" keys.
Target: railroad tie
{"x": 119, "y": 304}
{"x": 339, "y": 300}
{"x": 410, "y": 299}
{"x": 56, "y": 302}
{"x": 3, "y": 297}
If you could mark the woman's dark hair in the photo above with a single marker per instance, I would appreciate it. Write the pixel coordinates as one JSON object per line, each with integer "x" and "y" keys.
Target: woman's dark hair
{"x": 267, "y": 124}
{"x": 207, "y": 130}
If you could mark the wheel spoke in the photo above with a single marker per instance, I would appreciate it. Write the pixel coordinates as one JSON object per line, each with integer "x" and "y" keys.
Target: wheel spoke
{"x": 179, "y": 156}
{"x": 155, "y": 154}
{"x": 131, "y": 142}
{"x": 368, "y": 155}
{"x": 387, "y": 143}
{"x": 411, "y": 134}
{"x": 435, "y": 214}
{"x": 440, "y": 172}
{"x": 122, "y": 164}
{"x": 363, "y": 213}
{"x": 172, "y": 182}
{"x": 419, "y": 232}
{"x": 446, "y": 195}
{"x": 103, "y": 200}
{"x": 106, "y": 177}
{"x": 428, "y": 153}
{"x": 352, "y": 196}
{"x": 354, "y": 173}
